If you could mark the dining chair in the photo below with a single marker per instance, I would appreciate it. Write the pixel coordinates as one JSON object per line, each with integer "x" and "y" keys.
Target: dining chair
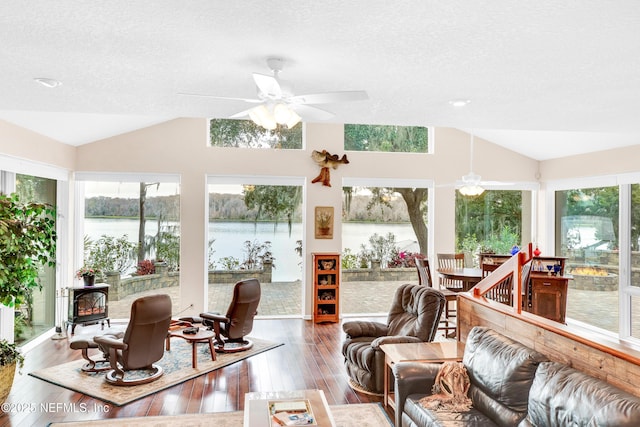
{"x": 490, "y": 262}
{"x": 450, "y": 262}
{"x": 488, "y": 268}
{"x": 448, "y": 321}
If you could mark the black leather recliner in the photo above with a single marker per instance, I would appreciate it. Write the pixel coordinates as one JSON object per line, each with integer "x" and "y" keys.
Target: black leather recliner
{"x": 413, "y": 317}
{"x": 232, "y": 328}
{"x": 143, "y": 342}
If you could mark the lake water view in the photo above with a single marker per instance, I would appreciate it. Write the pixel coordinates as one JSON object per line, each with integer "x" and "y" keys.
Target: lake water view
{"x": 230, "y": 236}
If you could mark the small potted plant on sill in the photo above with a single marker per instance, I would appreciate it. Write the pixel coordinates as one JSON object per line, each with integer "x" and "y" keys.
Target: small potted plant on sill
{"x": 88, "y": 274}
{"x": 10, "y": 357}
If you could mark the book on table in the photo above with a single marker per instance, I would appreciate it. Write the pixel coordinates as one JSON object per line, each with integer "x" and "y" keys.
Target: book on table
{"x": 291, "y": 413}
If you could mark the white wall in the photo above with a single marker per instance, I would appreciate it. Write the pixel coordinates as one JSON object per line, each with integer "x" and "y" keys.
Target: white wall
{"x": 180, "y": 147}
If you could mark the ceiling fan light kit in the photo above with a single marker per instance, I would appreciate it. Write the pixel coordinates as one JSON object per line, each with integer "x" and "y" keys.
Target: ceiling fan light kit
{"x": 471, "y": 181}
{"x": 471, "y": 185}
{"x": 269, "y": 116}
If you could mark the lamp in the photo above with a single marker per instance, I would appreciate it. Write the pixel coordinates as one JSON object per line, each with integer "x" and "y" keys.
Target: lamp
{"x": 269, "y": 116}
{"x": 471, "y": 181}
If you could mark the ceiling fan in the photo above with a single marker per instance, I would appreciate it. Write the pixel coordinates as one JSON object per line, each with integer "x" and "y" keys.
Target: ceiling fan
{"x": 471, "y": 183}
{"x": 278, "y": 104}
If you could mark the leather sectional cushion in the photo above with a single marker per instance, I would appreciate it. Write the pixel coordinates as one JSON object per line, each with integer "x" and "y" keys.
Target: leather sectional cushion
{"x": 472, "y": 418}
{"x": 561, "y": 395}
{"x": 501, "y": 372}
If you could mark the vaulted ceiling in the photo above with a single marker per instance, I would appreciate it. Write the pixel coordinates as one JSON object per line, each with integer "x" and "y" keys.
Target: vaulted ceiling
{"x": 546, "y": 78}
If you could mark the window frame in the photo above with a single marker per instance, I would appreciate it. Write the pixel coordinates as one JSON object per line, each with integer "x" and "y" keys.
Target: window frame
{"x": 9, "y": 167}
{"x": 276, "y": 180}
{"x": 79, "y": 205}
{"x": 430, "y": 144}
{"x": 625, "y": 290}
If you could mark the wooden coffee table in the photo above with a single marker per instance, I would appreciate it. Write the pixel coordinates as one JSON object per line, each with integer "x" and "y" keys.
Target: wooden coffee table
{"x": 257, "y": 414}
{"x": 203, "y": 335}
{"x": 427, "y": 352}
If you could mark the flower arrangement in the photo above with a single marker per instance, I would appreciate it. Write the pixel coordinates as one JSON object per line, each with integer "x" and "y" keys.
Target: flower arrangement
{"x": 86, "y": 270}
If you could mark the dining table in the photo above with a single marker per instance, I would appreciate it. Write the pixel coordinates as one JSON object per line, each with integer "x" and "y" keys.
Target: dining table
{"x": 469, "y": 276}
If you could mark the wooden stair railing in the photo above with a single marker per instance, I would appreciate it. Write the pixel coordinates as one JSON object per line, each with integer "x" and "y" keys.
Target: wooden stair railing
{"x": 506, "y": 284}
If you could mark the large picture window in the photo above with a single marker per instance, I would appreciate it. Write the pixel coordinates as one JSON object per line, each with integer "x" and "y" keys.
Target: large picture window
{"x": 246, "y": 134}
{"x": 255, "y": 230}
{"x": 390, "y": 139}
{"x": 383, "y": 230}
{"x": 28, "y": 323}
{"x": 634, "y": 259}
{"x": 587, "y": 234}
{"x": 494, "y": 222}
{"x": 131, "y": 233}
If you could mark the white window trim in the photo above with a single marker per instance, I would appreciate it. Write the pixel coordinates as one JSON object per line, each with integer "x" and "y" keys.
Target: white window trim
{"x": 127, "y": 177}
{"x": 625, "y": 290}
{"x": 255, "y": 179}
{"x": 79, "y": 206}
{"x": 9, "y": 167}
{"x": 429, "y": 184}
{"x": 264, "y": 180}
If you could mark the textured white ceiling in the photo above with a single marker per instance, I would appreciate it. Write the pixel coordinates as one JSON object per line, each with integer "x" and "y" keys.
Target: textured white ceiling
{"x": 564, "y": 74}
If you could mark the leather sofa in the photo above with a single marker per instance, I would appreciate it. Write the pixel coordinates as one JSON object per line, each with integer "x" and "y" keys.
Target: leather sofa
{"x": 513, "y": 385}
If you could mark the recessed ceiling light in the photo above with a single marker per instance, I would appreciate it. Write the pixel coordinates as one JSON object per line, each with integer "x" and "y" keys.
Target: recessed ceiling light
{"x": 46, "y": 82}
{"x": 459, "y": 102}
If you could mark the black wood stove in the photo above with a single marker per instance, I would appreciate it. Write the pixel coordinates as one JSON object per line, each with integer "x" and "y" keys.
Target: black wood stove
{"x": 88, "y": 305}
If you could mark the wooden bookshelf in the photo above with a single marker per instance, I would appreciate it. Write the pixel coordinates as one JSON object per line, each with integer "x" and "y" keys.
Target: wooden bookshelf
{"x": 326, "y": 287}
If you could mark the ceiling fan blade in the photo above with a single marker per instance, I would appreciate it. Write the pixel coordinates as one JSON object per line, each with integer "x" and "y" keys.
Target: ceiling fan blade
{"x": 226, "y": 98}
{"x": 241, "y": 114}
{"x": 311, "y": 114}
{"x": 268, "y": 85}
{"x": 330, "y": 97}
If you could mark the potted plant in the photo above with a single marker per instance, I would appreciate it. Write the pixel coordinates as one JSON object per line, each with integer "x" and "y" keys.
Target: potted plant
{"x": 10, "y": 357}
{"x": 88, "y": 274}
{"x": 27, "y": 242}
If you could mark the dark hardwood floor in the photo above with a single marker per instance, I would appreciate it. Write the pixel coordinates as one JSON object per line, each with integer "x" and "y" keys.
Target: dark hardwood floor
{"x": 309, "y": 359}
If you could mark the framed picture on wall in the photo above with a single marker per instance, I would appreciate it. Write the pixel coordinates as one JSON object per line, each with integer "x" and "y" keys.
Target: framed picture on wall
{"x": 324, "y": 222}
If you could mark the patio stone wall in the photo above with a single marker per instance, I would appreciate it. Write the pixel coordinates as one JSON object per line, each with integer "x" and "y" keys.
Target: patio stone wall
{"x": 377, "y": 274}
{"x": 232, "y": 276}
{"x": 123, "y": 287}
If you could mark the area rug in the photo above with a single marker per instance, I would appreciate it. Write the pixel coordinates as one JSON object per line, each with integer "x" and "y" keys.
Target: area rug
{"x": 357, "y": 415}
{"x": 176, "y": 364}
